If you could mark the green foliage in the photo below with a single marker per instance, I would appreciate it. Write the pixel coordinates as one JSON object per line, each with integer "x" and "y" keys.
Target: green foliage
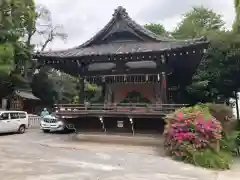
{"x": 76, "y": 100}
{"x": 217, "y": 75}
{"x": 44, "y": 88}
{"x": 230, "y": 142}
{"x": 211, "y": 159}
{"x": 207, "y": 84}
{"x": 135, "y": 97}
{"x": 196, "y": 22}
{"x": 91, "y": 87}
{"x": 221, "y": 112}
{"x": 6, "y": 58}
{"x": 52, "y": 86}
{"x": 15, "y": 15}
{"x": 221, "y": 67}
{"x": 157, "y": 29}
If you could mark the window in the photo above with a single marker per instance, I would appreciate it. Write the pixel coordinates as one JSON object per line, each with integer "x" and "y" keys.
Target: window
{"x": 4, "y": 116}
{"x": 22, "y": 115}
{"x": 14, "y": 115}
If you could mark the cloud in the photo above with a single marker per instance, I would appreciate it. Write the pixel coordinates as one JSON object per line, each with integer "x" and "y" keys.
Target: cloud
{"x": 82, "y": 19}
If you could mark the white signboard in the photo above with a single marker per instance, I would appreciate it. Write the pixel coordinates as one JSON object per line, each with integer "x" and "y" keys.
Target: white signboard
{"x": 120, "y": 124}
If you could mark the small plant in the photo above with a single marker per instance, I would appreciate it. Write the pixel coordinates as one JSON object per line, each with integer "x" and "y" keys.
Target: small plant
{"x": 75, "y": 99}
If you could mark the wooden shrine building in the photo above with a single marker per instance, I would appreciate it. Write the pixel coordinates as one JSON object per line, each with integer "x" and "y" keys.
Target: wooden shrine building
{"x": 139, "y": 71}
{"x": 22, "y": 100}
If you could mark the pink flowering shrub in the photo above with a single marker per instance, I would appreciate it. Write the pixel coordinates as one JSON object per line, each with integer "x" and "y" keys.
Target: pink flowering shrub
{"x": 189, "y": 130}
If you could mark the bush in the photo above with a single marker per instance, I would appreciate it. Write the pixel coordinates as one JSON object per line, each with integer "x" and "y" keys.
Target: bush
{"x": 211, "y": 159}
{"x": 224, "y": 114}
{"x": 193, "y": 135}
{"x": 220, "y": 111}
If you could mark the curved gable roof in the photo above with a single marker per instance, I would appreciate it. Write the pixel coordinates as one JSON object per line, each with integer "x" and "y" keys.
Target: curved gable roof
{"x": 121, "y": 16}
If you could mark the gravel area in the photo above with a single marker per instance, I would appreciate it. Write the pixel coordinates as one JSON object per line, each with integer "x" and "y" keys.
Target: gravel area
{"x": 38, "y": 156}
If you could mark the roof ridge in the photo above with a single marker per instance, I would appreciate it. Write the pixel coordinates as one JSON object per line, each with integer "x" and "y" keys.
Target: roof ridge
{"x": 145, "y": 30}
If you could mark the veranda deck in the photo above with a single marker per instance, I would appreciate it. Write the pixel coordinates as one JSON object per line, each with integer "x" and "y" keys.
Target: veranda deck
{"x": 115, "y": 110}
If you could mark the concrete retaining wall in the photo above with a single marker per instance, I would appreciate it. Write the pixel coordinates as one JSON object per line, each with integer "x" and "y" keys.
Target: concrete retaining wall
{"x": 137, "y": 140}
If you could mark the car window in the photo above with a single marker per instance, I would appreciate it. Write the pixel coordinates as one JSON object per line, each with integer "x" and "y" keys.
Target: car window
{"x": 22, "y": 115}
{"x": 14, "y": 115}
{"x": 4, "y": 116}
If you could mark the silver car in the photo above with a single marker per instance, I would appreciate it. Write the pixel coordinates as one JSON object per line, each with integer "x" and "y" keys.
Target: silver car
{"x": 52, "y": 123}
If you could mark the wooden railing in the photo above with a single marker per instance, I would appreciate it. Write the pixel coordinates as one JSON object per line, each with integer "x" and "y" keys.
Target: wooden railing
{"x": 117, "y": 108}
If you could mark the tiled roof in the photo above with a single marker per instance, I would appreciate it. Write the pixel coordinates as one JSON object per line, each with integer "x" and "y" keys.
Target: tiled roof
{"x": 26, "y": 94}
{"x": 121, "y": 48}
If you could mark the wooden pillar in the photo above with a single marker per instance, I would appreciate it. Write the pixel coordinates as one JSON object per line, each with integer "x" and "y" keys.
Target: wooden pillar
{"x": 109, "y": 94}
{"x": 164, "y": 88}
{"x": 164, "y": 81}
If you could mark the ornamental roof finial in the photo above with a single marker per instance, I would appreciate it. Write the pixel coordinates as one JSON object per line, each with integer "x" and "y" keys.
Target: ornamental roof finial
{"x": 120, "y": 11}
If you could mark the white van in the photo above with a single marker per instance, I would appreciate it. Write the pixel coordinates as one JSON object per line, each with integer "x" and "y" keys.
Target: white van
{"x": 13, "y": 121}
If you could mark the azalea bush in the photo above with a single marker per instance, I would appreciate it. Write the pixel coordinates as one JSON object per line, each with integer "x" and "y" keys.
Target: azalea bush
{"x": 193, "y": 135}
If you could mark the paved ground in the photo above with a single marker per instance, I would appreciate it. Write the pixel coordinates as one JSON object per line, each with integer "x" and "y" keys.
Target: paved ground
{"x": 38, "y": 156}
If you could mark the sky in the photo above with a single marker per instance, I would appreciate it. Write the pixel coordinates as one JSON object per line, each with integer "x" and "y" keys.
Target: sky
{"x": 81, "y": 19}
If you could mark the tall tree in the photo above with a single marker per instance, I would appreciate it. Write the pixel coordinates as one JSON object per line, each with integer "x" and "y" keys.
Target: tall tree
{"x": 212, "y": 79}
{"x": 236, "y": 24}
{"x": 45, "y": 30}
{"x": 13, "y": 17}
{"x": 56, "y": 85}
{"x": 217, "y": 75}
{"x": 197, "y": 22}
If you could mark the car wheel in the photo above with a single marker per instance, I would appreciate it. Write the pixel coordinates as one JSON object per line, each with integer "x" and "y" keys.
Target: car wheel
{"x": 46, "y": 130}
{"x": 21, "y": 129}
